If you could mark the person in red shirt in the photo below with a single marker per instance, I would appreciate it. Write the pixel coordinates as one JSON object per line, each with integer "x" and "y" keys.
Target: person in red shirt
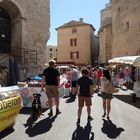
{"x": 99, "y": 75}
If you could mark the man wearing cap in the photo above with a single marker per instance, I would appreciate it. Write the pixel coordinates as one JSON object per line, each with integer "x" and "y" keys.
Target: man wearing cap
{"x": 51, "y": 80}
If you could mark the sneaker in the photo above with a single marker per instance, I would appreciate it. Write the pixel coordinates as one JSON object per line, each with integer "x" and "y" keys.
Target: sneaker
{"x": 78, "y": 122}
{"x": 108, "y": 117}
{"x": 89, "y": 118}
{"x": 104, "y": 115}
{"x": 57, "y": 111}
{"x": 50, "y": 113}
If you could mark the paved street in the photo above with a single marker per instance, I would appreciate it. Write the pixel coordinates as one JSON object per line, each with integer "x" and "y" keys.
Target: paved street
{"x": 124, "y": 123}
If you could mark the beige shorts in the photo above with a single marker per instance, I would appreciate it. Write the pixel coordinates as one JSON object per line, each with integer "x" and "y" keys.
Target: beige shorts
{"x": 52, "y": 91}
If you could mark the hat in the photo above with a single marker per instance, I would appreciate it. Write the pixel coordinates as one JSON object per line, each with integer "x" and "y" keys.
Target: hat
{"x": 52, "y": 62}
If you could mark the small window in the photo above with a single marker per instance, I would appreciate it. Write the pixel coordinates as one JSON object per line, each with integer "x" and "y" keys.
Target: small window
{"x": 118, "y": 10}
{"x": 73, "y": 42}
{"x": 127, "y": 25}
{"x": 50, "y": 49}
{"x": 74, "y": 55}
{"x": 74, "y": 30}
{"x": 51, "y": 55}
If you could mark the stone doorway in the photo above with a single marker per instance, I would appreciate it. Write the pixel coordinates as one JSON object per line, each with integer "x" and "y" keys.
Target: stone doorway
{"x": 5, "y": 31}
{"x": 13, "y": 21}
{"x": 10, "y": 41}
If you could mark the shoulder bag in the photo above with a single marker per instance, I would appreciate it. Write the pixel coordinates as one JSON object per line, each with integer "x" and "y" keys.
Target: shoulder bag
{"x": 109, "y": 88}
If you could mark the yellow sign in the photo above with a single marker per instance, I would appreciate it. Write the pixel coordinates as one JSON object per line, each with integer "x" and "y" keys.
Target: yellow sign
{"x": 9, "y": 108}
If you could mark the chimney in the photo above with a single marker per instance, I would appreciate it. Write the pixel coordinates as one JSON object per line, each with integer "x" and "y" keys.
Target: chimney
{"x": 81, "y": 20}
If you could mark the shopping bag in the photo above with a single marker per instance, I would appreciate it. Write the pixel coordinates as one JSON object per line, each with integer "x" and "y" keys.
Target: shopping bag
{"x": 109, "y": 88}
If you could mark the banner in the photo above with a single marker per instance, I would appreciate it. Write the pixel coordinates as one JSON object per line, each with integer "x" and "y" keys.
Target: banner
{"x": 9, "y": 108}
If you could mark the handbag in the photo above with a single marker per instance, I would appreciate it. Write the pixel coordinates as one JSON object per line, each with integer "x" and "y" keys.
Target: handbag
{"x": 109, "y": 88}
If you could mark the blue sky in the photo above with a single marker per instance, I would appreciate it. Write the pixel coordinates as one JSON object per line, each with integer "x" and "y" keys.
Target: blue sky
{"x": 63, "y": 11}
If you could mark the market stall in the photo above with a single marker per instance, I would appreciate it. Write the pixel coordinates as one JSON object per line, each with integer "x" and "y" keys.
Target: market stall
{"x": 135, "y": 62}
{"x": 10, "y": 105}
{"x": 27, "y": 89}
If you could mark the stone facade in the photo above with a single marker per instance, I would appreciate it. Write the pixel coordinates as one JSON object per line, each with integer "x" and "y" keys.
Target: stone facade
{"x": 105, "y": 35}
{"x": 126, "y": 27}
{"x": 30, "y": 23}
{"x": 123, "y": 32}
{"x": 51, "y": 53}
{"x": 95, "y": 51}
{"x": 105, "y": 39}
{"x": 75, "y": 41}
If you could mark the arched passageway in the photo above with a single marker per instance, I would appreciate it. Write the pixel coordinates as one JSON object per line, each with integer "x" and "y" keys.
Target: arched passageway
{"x": 10, "y": 41}
{"x": 5, "y": 31}
{"x": 10, "y": 26}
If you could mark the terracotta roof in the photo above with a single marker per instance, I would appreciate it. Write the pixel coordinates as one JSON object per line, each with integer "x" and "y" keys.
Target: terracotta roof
{"x": 74, "y": 23}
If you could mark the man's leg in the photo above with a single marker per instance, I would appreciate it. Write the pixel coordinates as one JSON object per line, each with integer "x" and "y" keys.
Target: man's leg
{"x": 50, "y": 102}
{"x": 88, "y": 104}
{"x": 88, "y": 110}
{"x": 80, "y": 106}
{"x": 79, "y": 115}
{"x": 50, "y": 106}
{"x": 56, "y": 95}
{"x": 79, "y": 112}
{"x": 57, "y": 105}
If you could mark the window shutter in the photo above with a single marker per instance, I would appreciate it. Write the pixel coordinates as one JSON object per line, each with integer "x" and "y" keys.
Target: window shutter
{"x": 71, "y": 42}
{"x": 77, "y": 55}
{"x": 75, "y": 42}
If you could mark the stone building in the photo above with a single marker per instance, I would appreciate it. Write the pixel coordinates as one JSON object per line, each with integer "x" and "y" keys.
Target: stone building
{"x": 51, "y": 53}
{"x": 95, "y": 51}
{"x": 75, "y": 41}
{"x": 105, "y": 35}
{"x": 126, "y": 27}
{"x": 24, "y": 32}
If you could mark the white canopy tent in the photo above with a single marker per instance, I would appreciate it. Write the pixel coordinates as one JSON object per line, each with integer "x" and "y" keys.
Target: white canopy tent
{"x": 132, "y": 60}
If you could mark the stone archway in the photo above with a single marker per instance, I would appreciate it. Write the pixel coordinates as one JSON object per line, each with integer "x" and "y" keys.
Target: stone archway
{"x": 12, "y": 45}
{"x": 15, "y": 23}
{"x": 5, "y": 31}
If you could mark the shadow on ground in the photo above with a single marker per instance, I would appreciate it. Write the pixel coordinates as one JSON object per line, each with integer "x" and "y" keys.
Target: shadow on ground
{"x": 27, "y": 110}
{"x": 83, "y": 133}
{"x": 128, "y": 99}
{"x": 40, "y": 127}
{"x": 6, "y": 132}
{"x": 111, "y": 129}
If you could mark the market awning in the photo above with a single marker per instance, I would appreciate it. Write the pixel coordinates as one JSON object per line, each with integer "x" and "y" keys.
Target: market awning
{"x": 132, "y": 60}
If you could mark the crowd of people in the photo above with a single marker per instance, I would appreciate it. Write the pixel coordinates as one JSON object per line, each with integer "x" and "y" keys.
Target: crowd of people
{"x": 83, "y": 83}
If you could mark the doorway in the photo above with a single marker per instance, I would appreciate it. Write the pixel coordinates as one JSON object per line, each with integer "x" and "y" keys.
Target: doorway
{"x": 5, "y": 31}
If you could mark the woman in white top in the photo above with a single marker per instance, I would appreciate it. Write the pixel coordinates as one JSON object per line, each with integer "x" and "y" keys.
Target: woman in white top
{"x": 106, "y": 96}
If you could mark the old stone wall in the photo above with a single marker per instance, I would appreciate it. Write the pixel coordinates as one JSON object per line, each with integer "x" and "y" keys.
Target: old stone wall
{"x": 106, "y": 16}
{"x": 126, "y": 27}
{"x": 105, "y": 34}
{"x": 30, "y": 20}
{"x": 105, "y": 39}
